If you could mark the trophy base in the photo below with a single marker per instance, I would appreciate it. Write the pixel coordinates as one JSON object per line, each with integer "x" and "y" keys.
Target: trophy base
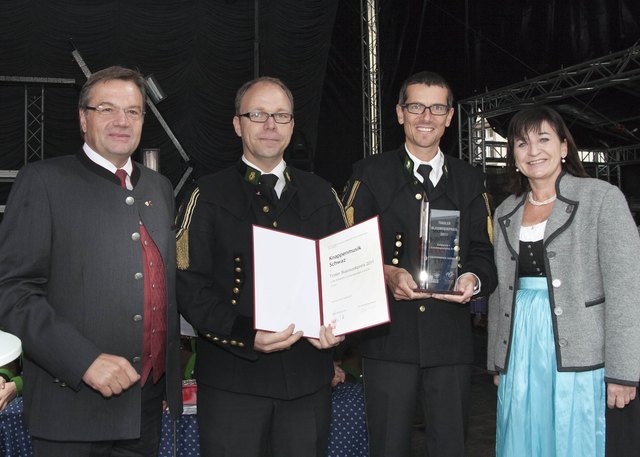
{"x": 443, "y": 292}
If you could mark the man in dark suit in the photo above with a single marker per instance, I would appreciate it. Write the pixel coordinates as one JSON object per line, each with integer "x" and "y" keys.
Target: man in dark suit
{"x": 87, "y": 281}
{"x": 426, "y": 350}
{"x": 259, "y": 393}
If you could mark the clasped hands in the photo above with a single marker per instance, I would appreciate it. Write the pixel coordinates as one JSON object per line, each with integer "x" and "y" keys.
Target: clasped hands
{"x": 280, "y": 341}
{"x": 402, "y": 286}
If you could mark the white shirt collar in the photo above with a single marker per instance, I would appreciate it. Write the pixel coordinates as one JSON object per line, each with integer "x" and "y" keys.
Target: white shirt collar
{"x": 278, "y": 170}
{"x": 436, "y": 166}
{"x": 104, "y": 163}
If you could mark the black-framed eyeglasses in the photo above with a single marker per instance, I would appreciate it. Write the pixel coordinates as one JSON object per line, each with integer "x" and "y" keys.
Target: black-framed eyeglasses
{"x": 437, "y": 109}
{"x": 262, "y": 117}
{"x": 111, "y": 111}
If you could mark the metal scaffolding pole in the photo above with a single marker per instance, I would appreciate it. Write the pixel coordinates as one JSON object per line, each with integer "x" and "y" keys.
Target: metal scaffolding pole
{"x": 371, "y": 117}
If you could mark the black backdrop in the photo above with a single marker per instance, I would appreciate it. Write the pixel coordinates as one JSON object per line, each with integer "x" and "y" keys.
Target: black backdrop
{"x": 201, "y": 51}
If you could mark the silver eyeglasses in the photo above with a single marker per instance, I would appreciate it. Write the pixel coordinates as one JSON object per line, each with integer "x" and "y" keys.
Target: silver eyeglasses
{"x": 437, "y": 109}
{"x": 262, "y": 117}
{"x": 111, "y": 111}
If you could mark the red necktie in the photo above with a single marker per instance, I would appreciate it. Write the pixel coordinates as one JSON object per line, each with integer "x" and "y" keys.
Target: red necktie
{"x": 122, "y": 176}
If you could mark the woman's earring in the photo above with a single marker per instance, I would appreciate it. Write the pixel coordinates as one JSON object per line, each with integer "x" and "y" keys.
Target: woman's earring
{"x": 517, "y": 170}
{"x": 563, "y": 160}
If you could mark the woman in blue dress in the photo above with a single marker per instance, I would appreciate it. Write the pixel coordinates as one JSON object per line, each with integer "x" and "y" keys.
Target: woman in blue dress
{"x": 564, "y": 322}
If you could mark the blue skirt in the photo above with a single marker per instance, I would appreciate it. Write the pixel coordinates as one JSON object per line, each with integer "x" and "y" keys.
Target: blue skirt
{"x": 543, "y": 412}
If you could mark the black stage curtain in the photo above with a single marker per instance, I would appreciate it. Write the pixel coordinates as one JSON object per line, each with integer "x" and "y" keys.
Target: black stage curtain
{"x": 201, "y": 51}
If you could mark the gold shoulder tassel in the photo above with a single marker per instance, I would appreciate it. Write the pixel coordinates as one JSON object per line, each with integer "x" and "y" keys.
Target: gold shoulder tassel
{"x": 489, "y": 221}
{"x": 348, "y": 208}
{"x": 182, "y": 237}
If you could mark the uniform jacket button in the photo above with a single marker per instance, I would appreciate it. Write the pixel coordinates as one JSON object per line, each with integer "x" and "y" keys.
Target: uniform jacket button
{"x": 136, "y": 359}
{"x": 422, "y": 308}
{"x": 130, "y": 200}
{"x": 556, "y": 283}
{"x": 137, "y": 318}
{"x": 557, "y": 311}
{"x": 562, "y": 342}
{"x": 135, "y": 236}
{"x": 138, "y": 275}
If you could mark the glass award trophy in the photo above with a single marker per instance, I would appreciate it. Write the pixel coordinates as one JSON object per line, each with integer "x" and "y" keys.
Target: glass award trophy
{"x": 439, "y": 248}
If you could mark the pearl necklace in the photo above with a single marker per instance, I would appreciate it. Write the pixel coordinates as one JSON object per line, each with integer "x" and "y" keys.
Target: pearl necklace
{"x": 543, "y": 202}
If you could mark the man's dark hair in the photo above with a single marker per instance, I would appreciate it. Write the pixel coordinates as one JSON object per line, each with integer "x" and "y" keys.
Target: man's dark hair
{"x": 110, "y": 74}
{"x": 427, "y": 78}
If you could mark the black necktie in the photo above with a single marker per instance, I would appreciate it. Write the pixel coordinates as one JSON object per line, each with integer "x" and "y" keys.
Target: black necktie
{"x": 269, "y": 181}
{"x": 425, "y": 171}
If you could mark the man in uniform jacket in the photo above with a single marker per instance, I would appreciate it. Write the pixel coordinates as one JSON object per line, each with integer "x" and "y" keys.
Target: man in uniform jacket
{"x": 99, "y": 325}
{"x": 258, "y": 392}
{"x": 426, "y": 350}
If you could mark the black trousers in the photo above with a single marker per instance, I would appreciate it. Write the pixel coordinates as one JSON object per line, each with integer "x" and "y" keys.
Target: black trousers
{"x": 145, "y": 446}
{"x": 623, "y": 430}
{"x": 392, "y": 392}
{"x": 241, "y": 425}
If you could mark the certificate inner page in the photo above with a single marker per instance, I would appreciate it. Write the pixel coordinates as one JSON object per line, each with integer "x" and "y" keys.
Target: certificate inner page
{"x": 285, "y": 282}
{"x": 354, "y": 294}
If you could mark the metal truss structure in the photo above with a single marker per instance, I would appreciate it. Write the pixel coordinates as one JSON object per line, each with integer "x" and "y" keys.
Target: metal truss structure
{"x": 474, "y": 132}
{"x": 34, "y": 113}
{"x": 371, "y": 111}
{"x": 608, "y": 162}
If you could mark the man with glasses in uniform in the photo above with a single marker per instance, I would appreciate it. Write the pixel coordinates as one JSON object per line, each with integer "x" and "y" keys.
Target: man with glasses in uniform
{"x": 259, "y": 393}
{"x": 425, "y": 352}
{"x": 87, "y": 281}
